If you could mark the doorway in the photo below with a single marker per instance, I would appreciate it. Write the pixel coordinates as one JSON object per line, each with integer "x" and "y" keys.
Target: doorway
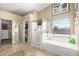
{"x": 5, "y": 32}
{"x": 26, "y": 31}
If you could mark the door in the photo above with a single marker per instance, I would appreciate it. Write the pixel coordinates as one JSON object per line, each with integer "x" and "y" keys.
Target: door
{"x": 5, "y": 32}
{"x": 34, "y": 33}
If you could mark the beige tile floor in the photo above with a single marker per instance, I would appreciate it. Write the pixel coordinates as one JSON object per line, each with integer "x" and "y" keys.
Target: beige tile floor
{"x": 22, "y": 49}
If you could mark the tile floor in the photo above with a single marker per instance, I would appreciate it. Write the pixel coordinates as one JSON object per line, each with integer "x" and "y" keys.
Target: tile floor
{"x": 23, "y": 49}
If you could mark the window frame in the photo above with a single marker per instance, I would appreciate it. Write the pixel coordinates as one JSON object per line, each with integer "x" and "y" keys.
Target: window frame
{"x": 68, "y": 35}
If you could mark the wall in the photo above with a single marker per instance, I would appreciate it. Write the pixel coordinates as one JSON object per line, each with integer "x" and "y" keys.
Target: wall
{"x": 0, "y": 31}
{"x": 9, "y": 16}
{"x": 47, "y": 14}
{"x": 77, "y": 28}
{"x": 32, "y": 16}
{"x": 16, "y": 19}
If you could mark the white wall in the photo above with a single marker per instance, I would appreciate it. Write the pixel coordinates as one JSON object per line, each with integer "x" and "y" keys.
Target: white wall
{"x": 15, "y": 33}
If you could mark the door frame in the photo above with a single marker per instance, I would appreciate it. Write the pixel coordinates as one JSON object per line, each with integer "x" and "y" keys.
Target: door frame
{"x": 11, "y": 29}
{"x": 29, "y": 39}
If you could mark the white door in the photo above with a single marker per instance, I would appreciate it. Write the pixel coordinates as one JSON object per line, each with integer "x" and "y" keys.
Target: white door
{"x": 34, "y": 33}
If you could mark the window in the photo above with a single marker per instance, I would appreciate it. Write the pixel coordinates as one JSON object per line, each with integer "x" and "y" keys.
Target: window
{"x": 61, "y": 26}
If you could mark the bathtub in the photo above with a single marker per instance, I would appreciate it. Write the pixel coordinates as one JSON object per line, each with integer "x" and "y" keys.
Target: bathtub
{"x": 59, "y": 45}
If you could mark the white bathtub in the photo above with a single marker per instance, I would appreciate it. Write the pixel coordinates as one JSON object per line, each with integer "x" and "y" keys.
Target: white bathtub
{"x": 62, "y": 44}
{"x": 58, "y": 46}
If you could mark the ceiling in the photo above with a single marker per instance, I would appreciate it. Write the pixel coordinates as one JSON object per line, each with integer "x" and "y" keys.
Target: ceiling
{"x": 22, "y": 8}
